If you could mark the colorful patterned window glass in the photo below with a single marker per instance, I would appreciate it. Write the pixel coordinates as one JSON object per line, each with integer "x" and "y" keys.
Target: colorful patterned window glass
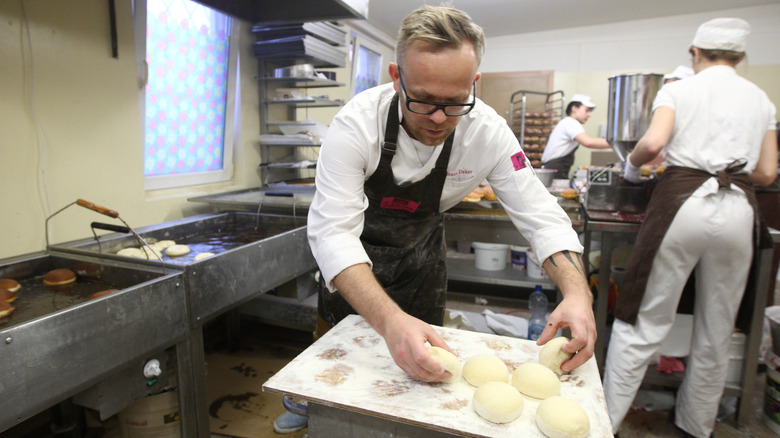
{"x": 367, "y": 68}
{"x": 187, "y": 53}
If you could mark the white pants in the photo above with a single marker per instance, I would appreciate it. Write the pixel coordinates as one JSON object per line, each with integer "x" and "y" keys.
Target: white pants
{"x": 713, "y": 234}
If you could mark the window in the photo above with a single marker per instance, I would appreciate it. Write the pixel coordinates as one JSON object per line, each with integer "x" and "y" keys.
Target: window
{"x": 366, "y": 65}
{"x": 189, "y": 92}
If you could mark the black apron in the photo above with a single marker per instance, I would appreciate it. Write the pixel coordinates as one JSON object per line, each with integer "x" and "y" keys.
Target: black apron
{"x": 403, "y": 234}
{"x": 562, "y": 165}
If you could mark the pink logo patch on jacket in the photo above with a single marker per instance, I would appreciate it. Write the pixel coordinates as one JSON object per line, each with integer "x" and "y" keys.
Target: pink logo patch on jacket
{"x": 518, "y": 160}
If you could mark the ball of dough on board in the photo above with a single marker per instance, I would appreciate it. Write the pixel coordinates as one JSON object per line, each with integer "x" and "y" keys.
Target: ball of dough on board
{"x": 536, "y": 380}
{"x": 560, "y": 417}
{"x": 552, "y": 356}
{"x": 448, "y": 361}
{"x": 498, "y": 402}
{"x": 177, "y": 250}
{"x": 484, "y": 368}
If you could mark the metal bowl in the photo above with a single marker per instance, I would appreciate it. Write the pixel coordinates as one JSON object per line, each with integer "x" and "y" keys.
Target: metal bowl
{"x": 546, "y": 176}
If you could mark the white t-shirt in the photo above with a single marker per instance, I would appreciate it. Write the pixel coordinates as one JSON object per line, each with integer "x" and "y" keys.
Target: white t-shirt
{"x": 484, "y": 148}
{"x": 719, "y": 117}
{"x": 561, "y": 141}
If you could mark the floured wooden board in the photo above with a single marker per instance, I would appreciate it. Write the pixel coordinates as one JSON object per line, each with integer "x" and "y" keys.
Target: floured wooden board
{"x": 350, "y": 368}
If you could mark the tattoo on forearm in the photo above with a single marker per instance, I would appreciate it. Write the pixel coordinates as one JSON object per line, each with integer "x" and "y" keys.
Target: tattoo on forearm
{"x": 573, "y": 259}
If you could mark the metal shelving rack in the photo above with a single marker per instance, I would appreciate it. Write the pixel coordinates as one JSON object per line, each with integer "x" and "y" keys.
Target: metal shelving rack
{"x": 536, "y": 117}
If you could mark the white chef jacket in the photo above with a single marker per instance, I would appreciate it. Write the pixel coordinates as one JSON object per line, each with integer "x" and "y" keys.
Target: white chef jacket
{"x": 561, "y": 141}
{"x": 484, "y": 148}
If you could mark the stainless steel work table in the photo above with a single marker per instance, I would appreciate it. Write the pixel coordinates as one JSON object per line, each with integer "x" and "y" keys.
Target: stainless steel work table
{"x": 612, "y": 224}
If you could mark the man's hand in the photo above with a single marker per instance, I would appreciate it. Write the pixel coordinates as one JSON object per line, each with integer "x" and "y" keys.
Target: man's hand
{"x": 405, "y": 337}
{"x": 575, "y": 312}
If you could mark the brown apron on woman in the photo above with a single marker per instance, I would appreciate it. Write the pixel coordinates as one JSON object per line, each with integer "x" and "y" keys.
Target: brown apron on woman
{"x": 673, "y": 189}
{"x": 403, "y": 234}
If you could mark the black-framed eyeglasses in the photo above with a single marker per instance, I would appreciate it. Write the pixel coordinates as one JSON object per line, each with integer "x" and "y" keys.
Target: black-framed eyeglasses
{"x": 426, "y": 107}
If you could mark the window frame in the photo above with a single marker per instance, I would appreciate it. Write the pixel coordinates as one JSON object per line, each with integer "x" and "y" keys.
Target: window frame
{"x": 232, "y": 108}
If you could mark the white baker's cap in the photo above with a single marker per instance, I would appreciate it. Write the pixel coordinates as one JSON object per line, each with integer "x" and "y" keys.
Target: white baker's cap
{"x": 722, "y": 34}
{"x": 583, "y": 99}
{"x": 681, "y": 72}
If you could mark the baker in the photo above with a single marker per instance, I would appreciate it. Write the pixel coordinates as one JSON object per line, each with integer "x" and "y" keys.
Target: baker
{"x": 568, "y": 135}
{"x": 716, "y": 131}
{"x": 396, "y": 157}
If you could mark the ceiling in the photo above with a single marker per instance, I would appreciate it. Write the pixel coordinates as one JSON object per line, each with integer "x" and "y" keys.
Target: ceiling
{"x": 506, "y": 17}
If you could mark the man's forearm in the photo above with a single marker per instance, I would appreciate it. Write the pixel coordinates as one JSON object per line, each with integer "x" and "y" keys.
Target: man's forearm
{"x": 363, "y": 292}
{"x": 566, "y": 269}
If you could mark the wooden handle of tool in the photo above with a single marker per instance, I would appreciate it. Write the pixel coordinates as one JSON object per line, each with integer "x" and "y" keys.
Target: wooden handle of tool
{"x": 97, "y": 208}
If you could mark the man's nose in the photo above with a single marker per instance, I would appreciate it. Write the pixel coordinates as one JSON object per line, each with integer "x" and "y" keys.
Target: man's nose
{"x": 438, "y": 116}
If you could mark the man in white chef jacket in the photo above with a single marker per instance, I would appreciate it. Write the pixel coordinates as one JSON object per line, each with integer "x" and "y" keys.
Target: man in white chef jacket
{"x": 395, "y": 158}
{"x": 568, "y": 135}
{"x": 717, "y": 132}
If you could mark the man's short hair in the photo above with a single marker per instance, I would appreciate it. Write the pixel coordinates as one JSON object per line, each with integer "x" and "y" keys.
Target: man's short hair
{"x": 440, "y": 26}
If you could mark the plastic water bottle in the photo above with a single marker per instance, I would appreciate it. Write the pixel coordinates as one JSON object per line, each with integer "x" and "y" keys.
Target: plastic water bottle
{"x": 537, "y": 303}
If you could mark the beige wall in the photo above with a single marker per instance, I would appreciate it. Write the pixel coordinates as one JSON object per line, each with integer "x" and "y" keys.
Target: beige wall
{"x": 70, "y": 125}
{"x": 596, "y": 85}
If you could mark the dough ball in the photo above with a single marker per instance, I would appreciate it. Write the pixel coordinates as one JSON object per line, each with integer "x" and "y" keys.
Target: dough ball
{"x": 498, "y": 402}
{"x": 177, "y": 250}
{"x": 552, "y": 356}
{"x": 447, "y": 360}
{"x": 203, "y": 255}
{"x": 484, "y": 368}
{"x": 536, "y": 380}
{"x": 560, "y": 417}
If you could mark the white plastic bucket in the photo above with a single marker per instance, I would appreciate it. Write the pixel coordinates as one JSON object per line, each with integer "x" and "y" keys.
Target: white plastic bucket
{"x": 154, "y": 416}
{"x": 736, "y": 358}
{"x": 490, "y": 256}
{"x": 535, "y": 269}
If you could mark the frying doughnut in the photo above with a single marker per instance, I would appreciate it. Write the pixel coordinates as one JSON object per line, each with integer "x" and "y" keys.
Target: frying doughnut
{"x": 9, "y": 285}
{"x": 6, "y": 296}
{"x": 203, "y": 255}
{"x": 163, "y": 244}
{"x": 177, "y": 250}
{"x": 58, "y": 277}
{"x": 102, "y": 293}
{"x": 5, "y": 309}
{"x": 128, "y": 252}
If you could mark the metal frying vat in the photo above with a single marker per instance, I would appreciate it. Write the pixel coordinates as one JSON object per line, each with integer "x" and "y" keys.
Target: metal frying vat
{"x": 58, "y": 342}
{"x": 630, "y": 109}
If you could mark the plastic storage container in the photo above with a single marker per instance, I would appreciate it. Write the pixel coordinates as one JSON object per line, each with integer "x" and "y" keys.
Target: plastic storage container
{"x": 490, "y": 256}
{"x": 535, "y": 269}
{"x": 519, "y": 257}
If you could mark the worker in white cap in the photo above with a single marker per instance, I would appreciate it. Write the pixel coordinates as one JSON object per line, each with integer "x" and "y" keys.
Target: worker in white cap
{"x": 568, "y": 135}
{"x": 717, "y": 132}
{"x": 680, "y": 72}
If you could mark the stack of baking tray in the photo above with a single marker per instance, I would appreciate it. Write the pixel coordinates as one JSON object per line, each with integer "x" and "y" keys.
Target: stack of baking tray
{"x": 317, "y": 43}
